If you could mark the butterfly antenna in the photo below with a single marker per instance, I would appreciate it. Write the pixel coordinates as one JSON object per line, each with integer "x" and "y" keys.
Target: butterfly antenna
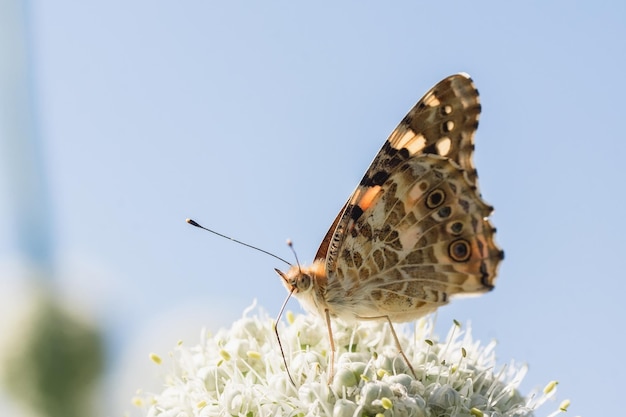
{"x": 198, "y": 225}
{"x": 295, "y": 255}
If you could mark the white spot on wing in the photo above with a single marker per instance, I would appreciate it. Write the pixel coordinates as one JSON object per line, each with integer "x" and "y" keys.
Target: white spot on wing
{"x": 443, "y": 146}
{"x": 417, "y": 144}
{"x": 415, "y": 193}
{"x": 406, "y": 138}
{"x": 431, "y": 101}
{"x": 408, "y": 238}
{"x": 410, "y": 141}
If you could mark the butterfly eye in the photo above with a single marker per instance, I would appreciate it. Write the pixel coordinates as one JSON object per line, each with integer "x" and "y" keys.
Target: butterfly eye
{"x": 303, "y": 283}
{"x": 435, "y": 198}
{"x": 460, "y": 250}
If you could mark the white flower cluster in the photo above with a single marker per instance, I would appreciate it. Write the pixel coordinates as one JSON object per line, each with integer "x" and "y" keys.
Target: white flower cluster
{"x": 240, "y": 372}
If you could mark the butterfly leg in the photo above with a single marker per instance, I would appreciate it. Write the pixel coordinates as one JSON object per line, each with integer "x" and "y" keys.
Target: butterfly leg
{"x": 331, "y": 367}
{"x": 399, "y": 347}
{"x": 396, "y": 340}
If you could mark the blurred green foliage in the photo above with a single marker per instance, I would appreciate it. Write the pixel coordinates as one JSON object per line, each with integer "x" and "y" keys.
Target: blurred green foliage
{"x": 55, "y": 369}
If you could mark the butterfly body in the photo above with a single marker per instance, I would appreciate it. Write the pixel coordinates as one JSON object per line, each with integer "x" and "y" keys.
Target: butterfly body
{"x": 415, "y": 230}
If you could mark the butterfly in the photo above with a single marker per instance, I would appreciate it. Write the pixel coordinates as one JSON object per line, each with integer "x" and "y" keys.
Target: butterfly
{"x": 415, "y": 231}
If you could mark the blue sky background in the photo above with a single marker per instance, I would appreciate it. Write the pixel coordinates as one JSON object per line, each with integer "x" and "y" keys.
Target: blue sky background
{"x": 259, "y": 118}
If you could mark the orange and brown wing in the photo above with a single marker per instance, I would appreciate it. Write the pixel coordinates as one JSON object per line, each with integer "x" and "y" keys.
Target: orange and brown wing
{"x": 394, "y": 229}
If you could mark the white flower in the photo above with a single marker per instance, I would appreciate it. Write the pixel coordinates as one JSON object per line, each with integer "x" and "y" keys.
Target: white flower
{"x": 240, "y": 372}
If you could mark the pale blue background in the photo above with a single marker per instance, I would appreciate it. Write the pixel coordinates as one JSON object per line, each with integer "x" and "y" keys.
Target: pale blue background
{"x": 259, "y": 118}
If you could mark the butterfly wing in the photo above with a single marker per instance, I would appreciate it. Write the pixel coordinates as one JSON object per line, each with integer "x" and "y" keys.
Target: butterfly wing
{"x": 414, "y": 232}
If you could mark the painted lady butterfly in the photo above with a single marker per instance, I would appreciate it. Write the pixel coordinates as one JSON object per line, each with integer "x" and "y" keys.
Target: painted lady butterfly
{"x": 415, "y": 231}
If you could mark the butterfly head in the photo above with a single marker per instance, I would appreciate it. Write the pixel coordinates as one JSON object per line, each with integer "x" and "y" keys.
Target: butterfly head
{"x": 307, "y": 283}
{"x": 296, "y": 281}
